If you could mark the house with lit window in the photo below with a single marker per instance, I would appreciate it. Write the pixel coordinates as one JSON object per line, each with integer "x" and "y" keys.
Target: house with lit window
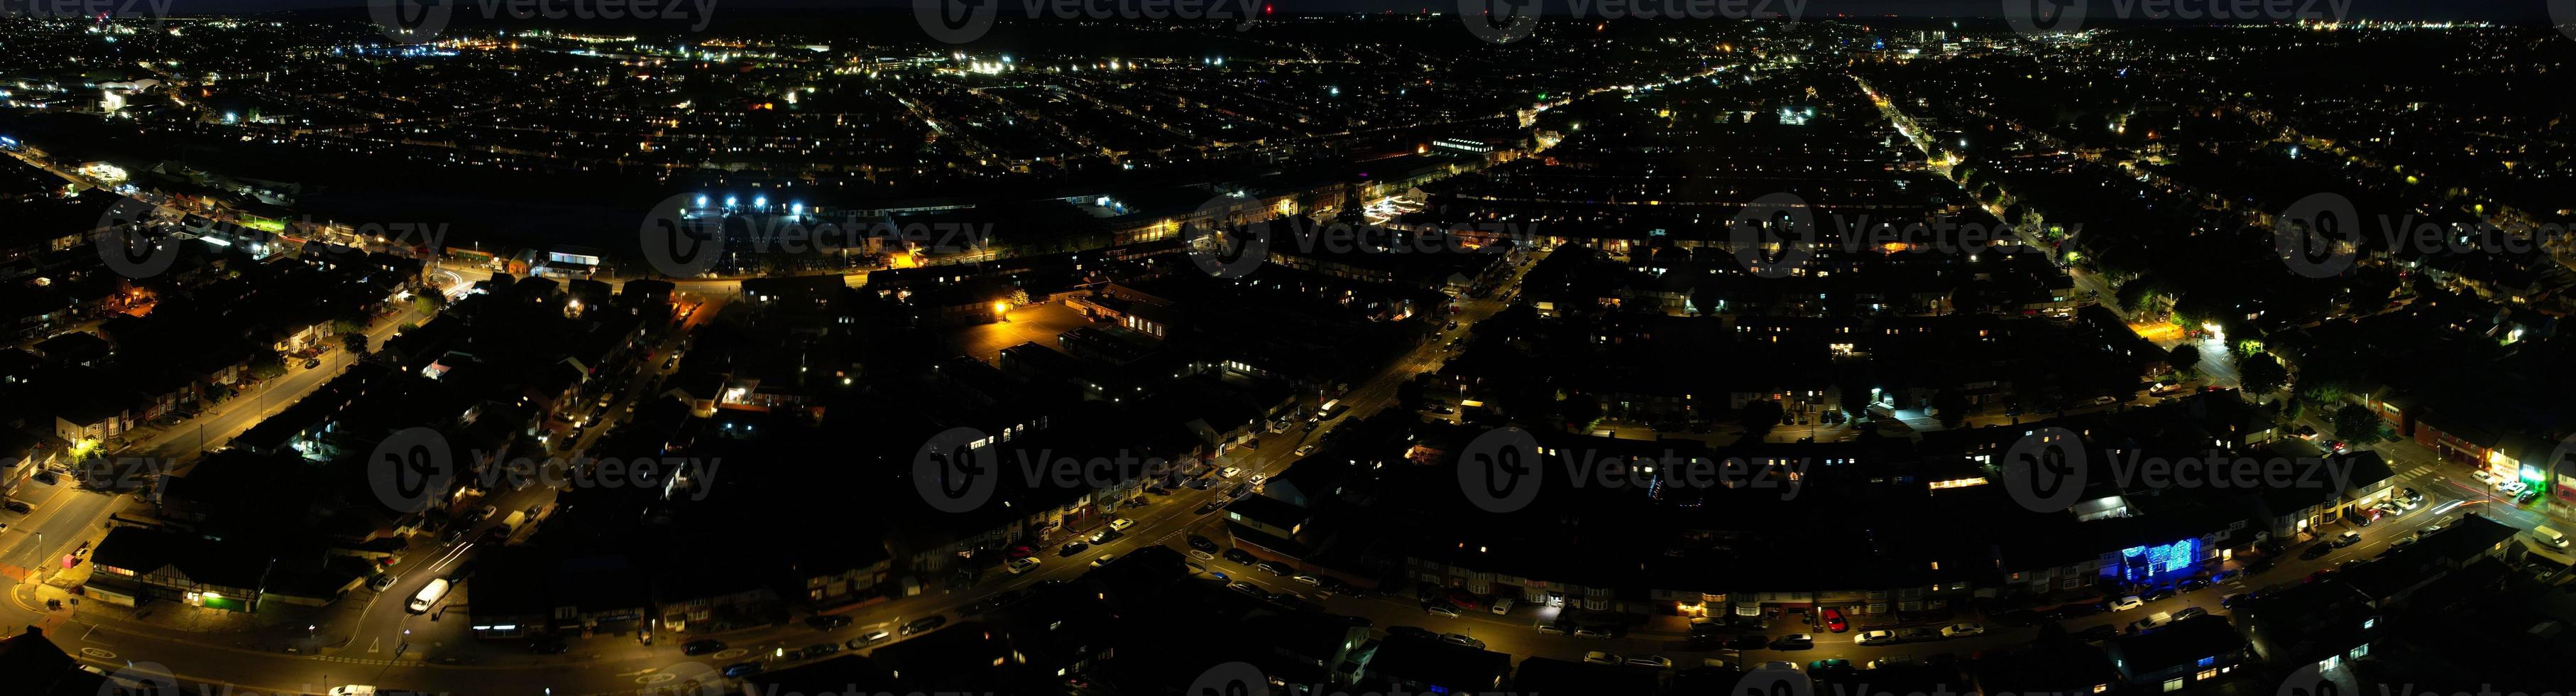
{"x": 2321, "y": 623}
{"x": 2177, "y": 656}
{"x": 136, "y": 566}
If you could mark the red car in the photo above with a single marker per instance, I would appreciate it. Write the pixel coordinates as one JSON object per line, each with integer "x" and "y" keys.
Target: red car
{"x": 1834, "y": 621}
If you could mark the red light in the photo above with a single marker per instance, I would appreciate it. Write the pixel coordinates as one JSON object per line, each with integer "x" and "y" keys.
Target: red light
{"x": 1265, "y": 8}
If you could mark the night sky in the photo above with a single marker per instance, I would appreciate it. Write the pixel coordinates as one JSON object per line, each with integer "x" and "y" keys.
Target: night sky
{"x": 2496, "y": 10}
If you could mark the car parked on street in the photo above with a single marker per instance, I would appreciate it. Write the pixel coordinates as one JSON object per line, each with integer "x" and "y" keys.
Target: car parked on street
{"x": 2127, "y": 603}
{"x": 1794, "y": 641}
{"x": 1963, "y": 630}
{"x": 1834, "y": 621}
{"x": 1876, "y": 638}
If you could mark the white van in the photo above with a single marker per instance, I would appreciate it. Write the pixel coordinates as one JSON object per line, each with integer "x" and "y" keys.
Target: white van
{"x": 1502, "y": 605}
{"x": 2549, "y": 536}
{"x": 429, "y": 595}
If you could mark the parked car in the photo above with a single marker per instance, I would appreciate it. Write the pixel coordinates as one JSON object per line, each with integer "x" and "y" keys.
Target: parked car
{"x": 1230, "y": 472}
{"x": 1794, "y": 641}
{"x": 826, "y": 623}
{"x": 2190, "y": 584}
{"x": 2127, "y": 603}
{"x": 1305, "y": 450}
{"x": 1963, "y": 630}
{"x": 1201, "y": 543}
{"x": 1655, "y": 661}
{"x": 1594, "y": 632}
{"x": 1271, "y": 568}
{"x": 1238, "y": 556}
{"x": 1120, "y": 524}
{"x": 701, "y": 647}
{"x": 1071, "y": 548}
{"x": 1876, "y": 638}
{"x": 1555, "y": 628}
{"x": 742, "y": 669}
{"x": 1441, "y": 610}
{"x": 1462, "y": 639}
{"x": 2190, "y": 612}
{"x": 924, "y": 625}
{"x": 1308, "y": 580}
{"x": 871, "y": 638}
{"x": 381, "y": 582}
{"x": 1834, "y": 621}
{"x": 821, "y": 649}
{"x": 2316, "y": 551}
{"x": 2347, "y": 539}
{"x": 1020, "y": 565}
{"x": 1601, "y": 658}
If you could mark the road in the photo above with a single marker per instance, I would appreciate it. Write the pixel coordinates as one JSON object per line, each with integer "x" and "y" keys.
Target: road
{"x": 624, "y": 666}
{"x": 374, "y": 654}
{"x": 64, "y": 514}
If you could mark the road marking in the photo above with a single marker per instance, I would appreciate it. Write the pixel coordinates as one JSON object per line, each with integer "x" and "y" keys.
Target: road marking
{"x": 375, "y": 644}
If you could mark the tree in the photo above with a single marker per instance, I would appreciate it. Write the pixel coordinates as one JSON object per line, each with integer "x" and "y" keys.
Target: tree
{"x": 2184, "y": 357}
{"x": 267, "y": 366}
{"x": 1951, "y": 407}
{"x": 355, "y": 342}
{"x": 2263, "y": 374}
{"x": 2356, "y": 424}
{"x": 1759, "y": 417}
{"x": 1582, "y": 412}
